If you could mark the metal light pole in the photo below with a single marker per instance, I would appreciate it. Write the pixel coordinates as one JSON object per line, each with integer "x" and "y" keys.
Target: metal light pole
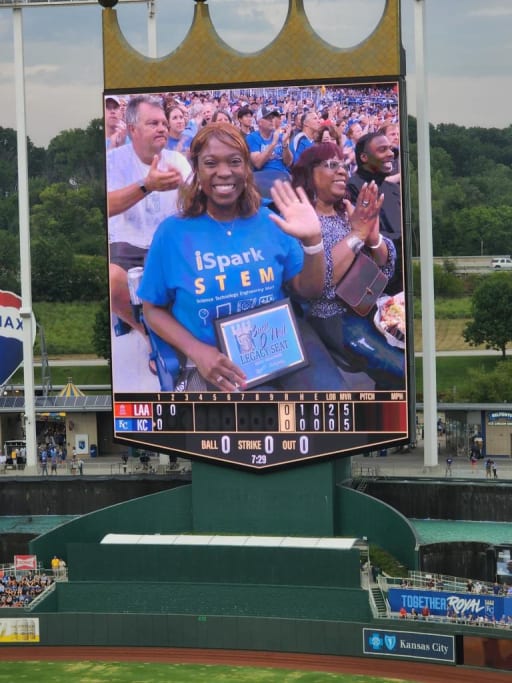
{"x": 25, "y": 263}
{"x": 426, "y": 249}
{"x": 23, "y": 197}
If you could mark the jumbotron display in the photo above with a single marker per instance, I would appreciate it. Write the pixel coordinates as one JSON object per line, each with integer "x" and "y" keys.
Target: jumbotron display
{"x": 256, "y": 268}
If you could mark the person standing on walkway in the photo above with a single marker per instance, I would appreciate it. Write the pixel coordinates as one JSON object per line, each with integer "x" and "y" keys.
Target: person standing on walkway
{"x": 488, "y": 466}
{"x": 494, "y": 470}
{"x": 448, "y": 470}
{"x": 44, "y": 462}
{"x": 53, "y": 460}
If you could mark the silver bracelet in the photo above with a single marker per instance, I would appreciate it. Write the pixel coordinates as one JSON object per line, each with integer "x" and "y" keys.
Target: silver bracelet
{"x": 376, "y": 246}
{"x": 315, "y": 249}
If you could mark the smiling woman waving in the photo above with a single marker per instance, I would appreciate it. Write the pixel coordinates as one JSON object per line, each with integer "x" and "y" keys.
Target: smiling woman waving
{"x": 225, "y": 254}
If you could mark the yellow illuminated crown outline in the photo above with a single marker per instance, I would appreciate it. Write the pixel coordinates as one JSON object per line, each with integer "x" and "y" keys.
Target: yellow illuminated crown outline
{"x": 297, "y": 53}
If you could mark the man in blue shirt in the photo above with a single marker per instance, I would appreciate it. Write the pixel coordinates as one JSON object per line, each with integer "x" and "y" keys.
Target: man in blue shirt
{"x": 269, "y": 147}
{"x": 310, "y": 125}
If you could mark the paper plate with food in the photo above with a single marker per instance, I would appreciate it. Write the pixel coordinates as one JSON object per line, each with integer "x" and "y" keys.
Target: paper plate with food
{"x": 390, "y": 319}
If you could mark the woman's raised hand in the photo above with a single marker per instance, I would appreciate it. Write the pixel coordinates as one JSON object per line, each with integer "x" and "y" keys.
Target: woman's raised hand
{"x": 297, "y": 216}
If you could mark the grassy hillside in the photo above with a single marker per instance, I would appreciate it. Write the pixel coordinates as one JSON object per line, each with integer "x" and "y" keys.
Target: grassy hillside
{"x": 68, "y": 328}
{"x": 448, "y": 335}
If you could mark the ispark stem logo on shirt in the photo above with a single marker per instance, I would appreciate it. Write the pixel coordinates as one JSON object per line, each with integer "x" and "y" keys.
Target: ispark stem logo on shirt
{"x": 209, "y": 260}
{"x": 222, "y": 262}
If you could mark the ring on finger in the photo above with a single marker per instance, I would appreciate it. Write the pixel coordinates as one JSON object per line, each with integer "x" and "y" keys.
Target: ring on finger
{"x": 219, "y": 379}
{"x": 365, "y": 204}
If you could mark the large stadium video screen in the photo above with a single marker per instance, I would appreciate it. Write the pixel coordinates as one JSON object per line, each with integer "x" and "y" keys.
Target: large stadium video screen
{"x": 256, "y": 271}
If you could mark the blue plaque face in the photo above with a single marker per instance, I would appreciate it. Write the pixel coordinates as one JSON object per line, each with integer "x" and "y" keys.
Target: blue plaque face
{"x": 264, "y": 342}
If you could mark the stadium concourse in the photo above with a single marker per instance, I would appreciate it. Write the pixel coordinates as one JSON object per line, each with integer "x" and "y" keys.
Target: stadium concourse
{"x": 410, "y": 462}
{"x": 392, "y": 462}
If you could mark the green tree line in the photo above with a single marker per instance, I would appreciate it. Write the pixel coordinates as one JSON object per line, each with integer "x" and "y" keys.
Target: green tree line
{"x": 471, "y": 172}
{"x": 471, "y": 204}
{"x": 67, "y": 215}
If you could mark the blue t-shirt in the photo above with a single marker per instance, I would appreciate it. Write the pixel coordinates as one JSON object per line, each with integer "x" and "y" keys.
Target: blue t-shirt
{"x": 202, "y": 273}
{"x": 191, "y": 130}
{"x": 299, "y": 144}
{"x": 257, "y": 143}
{"x": 172, "y": 143}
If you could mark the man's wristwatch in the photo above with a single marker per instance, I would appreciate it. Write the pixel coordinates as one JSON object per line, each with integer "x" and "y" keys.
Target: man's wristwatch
{"x": 355, "y": 244}
{"x": 142, "y": 187}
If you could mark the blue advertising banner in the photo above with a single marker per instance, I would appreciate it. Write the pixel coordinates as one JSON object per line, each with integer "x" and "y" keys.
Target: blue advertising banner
{"x": 461, "y": 605}
{"x": 409, "y": 644}
{"x": 11, "y": 334}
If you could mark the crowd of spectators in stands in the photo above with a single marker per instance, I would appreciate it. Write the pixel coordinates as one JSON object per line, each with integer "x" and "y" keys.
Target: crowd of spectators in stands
{"x": 451, "y": 616}
{"x": 148, "y": 141}
{"x": 19, "y": 591}
{"x": 429, "y": 582}
{"x": 437, "y": 583}
{"x": 301, "y": 116}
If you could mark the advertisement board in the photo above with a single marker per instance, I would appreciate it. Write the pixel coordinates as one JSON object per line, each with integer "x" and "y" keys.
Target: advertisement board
{"x": 11, "y": 334}
{"x": 469, "y": 606}
{"x": 391, "y": 643}
{"x": 20, "y": 630}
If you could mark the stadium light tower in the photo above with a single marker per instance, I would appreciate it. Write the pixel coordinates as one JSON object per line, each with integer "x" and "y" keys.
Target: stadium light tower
{"x": 23, "y": 192}
{"x": 426, "y": 249}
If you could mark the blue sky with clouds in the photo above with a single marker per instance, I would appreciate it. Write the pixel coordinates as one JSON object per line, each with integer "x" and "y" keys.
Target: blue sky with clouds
{"x": 468, "y": 43}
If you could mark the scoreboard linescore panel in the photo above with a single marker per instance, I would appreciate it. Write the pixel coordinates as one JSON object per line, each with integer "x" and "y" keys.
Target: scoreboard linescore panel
{"x": 262, "y": 429}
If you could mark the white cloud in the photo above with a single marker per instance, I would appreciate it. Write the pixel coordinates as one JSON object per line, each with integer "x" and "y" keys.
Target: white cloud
{"x": 468, "y": 52}
{"x": 52, "y": 109}
{"x": 467, "y": 101}
{"x": 492, "y": 12}
{"x": 38, "y": 70}
{"x": 6, "y": 72}
{"x": 341, "y": 23}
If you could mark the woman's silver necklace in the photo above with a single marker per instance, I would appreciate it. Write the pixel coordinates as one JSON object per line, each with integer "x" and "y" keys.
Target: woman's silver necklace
{"x": 228, "y": 228}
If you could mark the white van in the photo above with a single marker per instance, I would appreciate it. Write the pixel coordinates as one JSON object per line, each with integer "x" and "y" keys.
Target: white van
{"x": 502, "y": 263}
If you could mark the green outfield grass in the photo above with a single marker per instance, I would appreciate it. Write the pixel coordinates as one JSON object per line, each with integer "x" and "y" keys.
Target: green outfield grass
{"x": 113, "y": 672}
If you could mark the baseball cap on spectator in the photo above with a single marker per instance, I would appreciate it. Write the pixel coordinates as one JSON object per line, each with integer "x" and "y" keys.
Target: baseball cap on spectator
{"x": 243, "y": 111}
{"x": 265, "y": 112}
{"x": 114, "y": 98}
